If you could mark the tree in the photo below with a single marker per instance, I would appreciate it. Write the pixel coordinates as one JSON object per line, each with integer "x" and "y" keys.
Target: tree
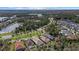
{"x": 52, "y": 29}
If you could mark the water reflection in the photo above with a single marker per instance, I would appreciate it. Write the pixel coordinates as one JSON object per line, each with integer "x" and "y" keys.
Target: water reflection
{"x": 10, "y": 28}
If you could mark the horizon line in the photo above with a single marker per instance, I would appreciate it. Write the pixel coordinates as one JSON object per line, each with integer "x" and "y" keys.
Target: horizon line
{"x": 39, "y": 8}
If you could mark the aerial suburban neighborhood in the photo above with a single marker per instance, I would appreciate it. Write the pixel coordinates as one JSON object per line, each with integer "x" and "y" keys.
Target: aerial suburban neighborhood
{"x": 39, "y": 30}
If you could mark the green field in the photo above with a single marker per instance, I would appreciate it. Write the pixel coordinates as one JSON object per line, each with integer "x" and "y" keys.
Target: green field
{"x": 27, "y": 35}
{"x": 21, "y": 36}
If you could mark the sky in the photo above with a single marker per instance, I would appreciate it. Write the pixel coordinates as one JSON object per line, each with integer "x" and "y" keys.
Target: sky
{"x": 39, "y": 3}
{"x": 39, "y": 8}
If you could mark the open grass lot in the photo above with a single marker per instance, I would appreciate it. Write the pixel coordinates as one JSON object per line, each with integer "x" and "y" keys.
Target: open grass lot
{"x": 21, "y": 36}
{"x": 5, "y": 34}
{"x": 27, "y": 35}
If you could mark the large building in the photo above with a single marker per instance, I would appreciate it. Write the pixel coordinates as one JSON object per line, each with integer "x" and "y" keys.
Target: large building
{"x": 2, "y": 19}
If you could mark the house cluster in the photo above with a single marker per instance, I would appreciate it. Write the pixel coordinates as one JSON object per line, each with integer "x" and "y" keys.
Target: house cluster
{"x": 13, "y": 17}
{"x": 4, "y": 19}
{"x": 39, "y": 15}
{"x": 68, "y": 28}
{"x": 25, "y": 44}
{"x": 29, "y": 43}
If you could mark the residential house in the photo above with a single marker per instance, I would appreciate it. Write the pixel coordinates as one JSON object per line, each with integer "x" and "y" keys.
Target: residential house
{"x": 19, "y": 46}
{"x": 37, "y": 41}
{"x": 44, "y": 39}
{"x": 49, "y": 36}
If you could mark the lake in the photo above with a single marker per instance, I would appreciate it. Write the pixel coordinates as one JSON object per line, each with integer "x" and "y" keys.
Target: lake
{"x": 9, "y": 28}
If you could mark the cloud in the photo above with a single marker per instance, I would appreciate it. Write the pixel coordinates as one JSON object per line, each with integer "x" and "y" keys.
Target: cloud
{"x": 39, "y": 3}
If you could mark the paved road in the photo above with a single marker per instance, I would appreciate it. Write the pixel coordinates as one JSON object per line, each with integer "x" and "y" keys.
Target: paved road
{"x": 42, "y": 28}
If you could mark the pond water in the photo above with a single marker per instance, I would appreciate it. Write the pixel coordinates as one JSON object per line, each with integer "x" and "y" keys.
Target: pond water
{"x": 10, "y": 28}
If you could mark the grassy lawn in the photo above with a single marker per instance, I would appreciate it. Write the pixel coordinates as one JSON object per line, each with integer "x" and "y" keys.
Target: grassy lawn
{"x": 4, "y": 34}
{"x": 21, "y": 36}
{"x": 27, "y": 35}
